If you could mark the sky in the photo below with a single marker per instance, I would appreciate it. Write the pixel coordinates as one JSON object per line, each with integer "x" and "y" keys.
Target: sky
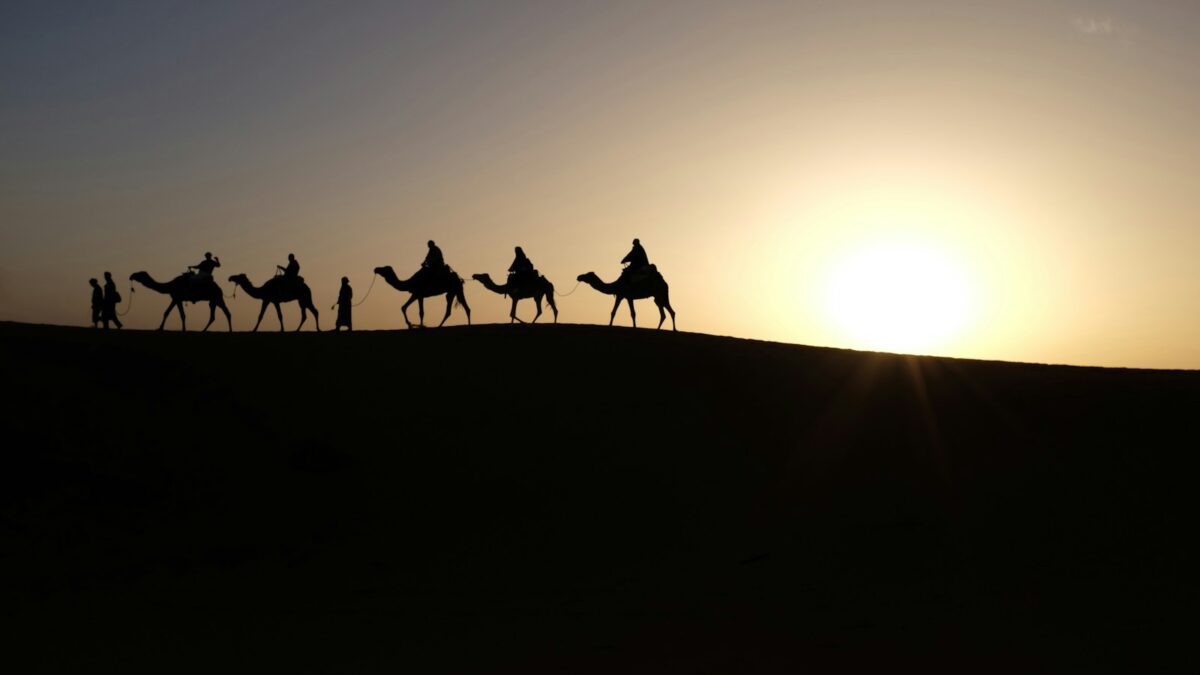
{"x": 1012, "y": 181}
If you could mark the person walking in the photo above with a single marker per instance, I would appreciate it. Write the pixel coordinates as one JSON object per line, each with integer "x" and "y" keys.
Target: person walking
{"x": 97, "y": 302}
{"x": 111, "y": 299}
{"x": 344, "y": 305}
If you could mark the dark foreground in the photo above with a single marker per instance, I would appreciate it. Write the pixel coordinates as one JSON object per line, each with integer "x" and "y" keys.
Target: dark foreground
{"x": 584, "y": 499}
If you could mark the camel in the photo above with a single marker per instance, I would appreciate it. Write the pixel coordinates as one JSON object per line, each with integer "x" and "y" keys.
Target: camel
{"x": 187, "y": 288}
{"x": 423, "y": 286}
{"x": 533, "y": 288}
{"x": 653, "y": 286}
{"x": 277, "y": 290}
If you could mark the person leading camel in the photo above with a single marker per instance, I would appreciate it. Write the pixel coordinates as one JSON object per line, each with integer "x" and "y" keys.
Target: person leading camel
{"x": 344, "y": 304}
{"x": 111, "y": 299}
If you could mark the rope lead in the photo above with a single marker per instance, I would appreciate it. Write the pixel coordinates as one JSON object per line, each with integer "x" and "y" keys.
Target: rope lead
{"x": 374, "y": 277}
{"x": 563, "y": 295}
{"x": 128, "y": 305}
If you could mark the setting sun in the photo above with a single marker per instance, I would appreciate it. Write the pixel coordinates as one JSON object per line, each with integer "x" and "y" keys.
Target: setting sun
{"x": 898, "y": 297}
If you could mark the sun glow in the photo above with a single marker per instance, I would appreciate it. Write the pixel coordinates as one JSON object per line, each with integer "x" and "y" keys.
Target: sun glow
{"x": 904, "y": 297}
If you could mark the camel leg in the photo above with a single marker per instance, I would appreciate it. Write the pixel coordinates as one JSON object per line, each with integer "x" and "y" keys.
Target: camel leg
{"x": 182, "y": 317}
{"x": 316, "y": 317}
{"x": 228, "y": 316}
{"x": 632, "y": 314}
{"x": 404, "y": 310}
{"x": 279, "y": 313}
{"x": 666, "y": 302}
{"x": 462, "y": 300}
{"x": 512, "y": 313}
{"x": 613, "y": 314}
{"x": 166, "y": 314}
{"x": 553, "y": 306}
{"x": 212, "y": 316}
{"x": 303, "y": 316}
{"x": 537, "y": 302}
{"x": 261, "y": 311}
{"x": 449, "y": 306}
{"x": 421, "y": 312}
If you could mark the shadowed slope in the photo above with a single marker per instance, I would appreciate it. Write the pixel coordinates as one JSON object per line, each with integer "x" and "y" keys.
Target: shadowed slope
{"x": 507, "y": 500}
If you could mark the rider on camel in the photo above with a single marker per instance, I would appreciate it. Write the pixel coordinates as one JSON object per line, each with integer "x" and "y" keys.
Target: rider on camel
{"x": 434, "y": 264}
{"x": 292, "y": 273}
{"x": 433, "y": 259}
{"x": 205, "y": 267}
{"x": 521, "y": 268}
{"x": 636, "y": 259}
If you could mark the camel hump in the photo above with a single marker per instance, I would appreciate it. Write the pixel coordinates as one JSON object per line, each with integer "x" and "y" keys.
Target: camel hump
{"x": 642, "y": 275}
{"x": 283, "y": 281}
{"x": 194, "y": 280}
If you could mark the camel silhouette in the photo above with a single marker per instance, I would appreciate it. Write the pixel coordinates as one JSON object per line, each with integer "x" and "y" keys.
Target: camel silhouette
{"x": 532, "y": 288}
{"x": 187, "y": 288}
{"x": 652, "y": 286}
{"x": 277, "y": 290}
{"x": 422, "y": 286}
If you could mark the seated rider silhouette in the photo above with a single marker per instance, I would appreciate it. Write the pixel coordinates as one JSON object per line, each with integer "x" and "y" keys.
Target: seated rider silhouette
{"x": 292, "y": 271}
{"x": 205, "y": 267}
{"x": 434, "y": 264}
{"x": 521, "y": 270}
{"x": 637, "y": 262}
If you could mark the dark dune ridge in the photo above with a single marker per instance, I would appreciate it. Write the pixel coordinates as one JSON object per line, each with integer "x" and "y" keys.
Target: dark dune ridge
{"x": 585, "y": 499}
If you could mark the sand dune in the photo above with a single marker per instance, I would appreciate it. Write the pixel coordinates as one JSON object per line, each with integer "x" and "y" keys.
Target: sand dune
{"x": 585, "y": 499}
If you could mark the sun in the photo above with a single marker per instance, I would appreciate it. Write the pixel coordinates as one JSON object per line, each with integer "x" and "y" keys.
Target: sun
{"x": 904, "y": 297}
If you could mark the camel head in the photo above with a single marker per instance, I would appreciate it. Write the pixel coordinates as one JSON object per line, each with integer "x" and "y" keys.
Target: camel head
{"x": 482, "y": 277}
{"x": 140, "y": 277}
{"x": 240, "y": 279}
{"x": 588, "y": 277}
{"x": 386, "y": 269}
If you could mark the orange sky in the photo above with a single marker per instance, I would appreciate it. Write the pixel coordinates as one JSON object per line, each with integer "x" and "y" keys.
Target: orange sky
{"x": 1045, "y": 151}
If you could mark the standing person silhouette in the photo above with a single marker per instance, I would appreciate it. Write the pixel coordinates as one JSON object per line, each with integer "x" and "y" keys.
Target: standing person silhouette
{"x": 111, "y": 299}
{"x": 292, "y": 271}
{"x": 205, "y": 267}
{"x": 521, "y": 268}
{"x": 636, "y": 258}
{"x": 344, "y": 305}
{"x": 97, "y": 302}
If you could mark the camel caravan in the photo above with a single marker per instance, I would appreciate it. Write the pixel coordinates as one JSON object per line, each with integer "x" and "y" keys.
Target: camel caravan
{"x": 639, "y": 279}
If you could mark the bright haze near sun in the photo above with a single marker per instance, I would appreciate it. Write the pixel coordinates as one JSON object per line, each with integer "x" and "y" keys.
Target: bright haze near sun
{"x": 901, "y": 296}
{"x": 1007, "y": 180}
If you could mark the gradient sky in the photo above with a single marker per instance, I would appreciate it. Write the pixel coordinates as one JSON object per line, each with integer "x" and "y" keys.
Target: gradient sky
{"x": 1048, "y": 148}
